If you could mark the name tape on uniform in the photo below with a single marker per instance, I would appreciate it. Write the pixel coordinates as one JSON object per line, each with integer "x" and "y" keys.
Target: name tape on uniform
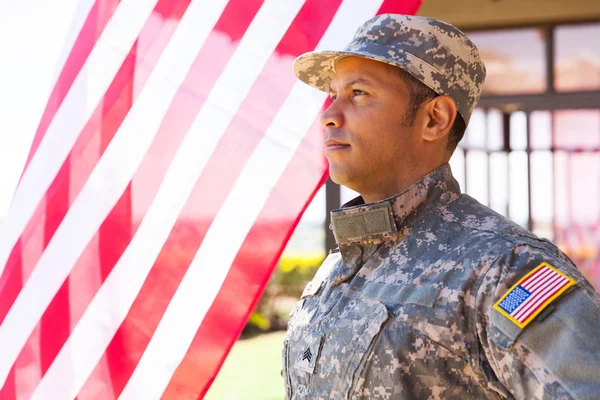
{"x": 534, "y": 292}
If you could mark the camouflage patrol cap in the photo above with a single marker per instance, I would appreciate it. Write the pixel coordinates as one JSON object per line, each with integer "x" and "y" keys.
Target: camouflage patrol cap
{"x": 436, "y": 53}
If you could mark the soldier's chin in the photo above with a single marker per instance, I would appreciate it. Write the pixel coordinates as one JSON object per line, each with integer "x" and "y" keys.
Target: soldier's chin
{"x": 342, "y": 175}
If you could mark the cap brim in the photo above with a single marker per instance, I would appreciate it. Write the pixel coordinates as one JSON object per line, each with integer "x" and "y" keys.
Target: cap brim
{"x": 317, "y": 68}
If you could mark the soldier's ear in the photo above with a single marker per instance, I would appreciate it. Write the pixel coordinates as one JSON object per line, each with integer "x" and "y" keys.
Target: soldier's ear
{"x": 441, "y": 113}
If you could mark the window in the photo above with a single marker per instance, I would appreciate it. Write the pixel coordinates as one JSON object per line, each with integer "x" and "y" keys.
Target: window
{"x": 577, "y": 58}
{"x": 514, "y": 60}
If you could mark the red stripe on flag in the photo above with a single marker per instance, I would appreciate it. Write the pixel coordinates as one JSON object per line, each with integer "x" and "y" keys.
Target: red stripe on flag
{"x": 543, "y": 281}
{"x": 400, "y": 7}
{"x": 9, "y": 391}
{"x": 55, "y": 322}
{"x": 140, "y": 323}
{"x": 536, "y": 294}
{"x": 51, "y": 210}
{"x": 261, "y": 249}
{"x": 212, "y": 188}
{"x": 252, "y": 268}
{"x": 551, "y": 291}
{"x": 96, "y": 21}
{"x": 535, "y": 278}
{"x": 87, "y": 150}
{"x": 125, "y": 350}
{"x": 223, "y": 324}
{"x": 539, "y": 298}
{"x": 556, "y": 287}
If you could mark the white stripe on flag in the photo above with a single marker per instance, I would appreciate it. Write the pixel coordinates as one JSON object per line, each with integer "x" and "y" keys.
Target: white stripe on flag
{"x": 83, "y": 9}
{"x": 534, "y": 295}
{"x": 103, "y": 317}
{"x": 541, "y": 285}
{"x": 108, "y": 180}
{"x": 540, "y": 296}
{"x": 535, "y": 284}
{"x": 541, "y": 274}
{"x": 547, "y": 294}
{"x": 543, "y": 277}
{"x": 95, "y": 77}
{"x": 210, "y": 266}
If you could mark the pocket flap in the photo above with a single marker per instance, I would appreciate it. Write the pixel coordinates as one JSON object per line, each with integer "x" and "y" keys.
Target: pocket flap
{"x": 313, "y": 287}
{"x": 421, "y": 295}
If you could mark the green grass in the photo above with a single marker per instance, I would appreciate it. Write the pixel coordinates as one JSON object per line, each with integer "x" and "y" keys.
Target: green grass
{"x": 251, "y": 371}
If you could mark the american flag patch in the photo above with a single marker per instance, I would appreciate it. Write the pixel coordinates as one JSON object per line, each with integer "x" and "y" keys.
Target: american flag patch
{"x": 528, "y": 297}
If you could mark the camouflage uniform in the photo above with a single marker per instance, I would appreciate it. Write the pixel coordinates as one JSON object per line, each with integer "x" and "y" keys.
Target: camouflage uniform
{"x": 405, "y": 308}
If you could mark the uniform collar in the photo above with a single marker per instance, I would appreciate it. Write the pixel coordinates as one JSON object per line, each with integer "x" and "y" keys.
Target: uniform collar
{"x": 366, "y": 224}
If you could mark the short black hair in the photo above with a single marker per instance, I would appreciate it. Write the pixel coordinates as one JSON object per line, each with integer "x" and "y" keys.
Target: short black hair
{"x": 419, "y": 94}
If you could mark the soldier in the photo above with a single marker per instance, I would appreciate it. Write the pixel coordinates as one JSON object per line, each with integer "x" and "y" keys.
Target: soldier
{"x": 431, "y": 295}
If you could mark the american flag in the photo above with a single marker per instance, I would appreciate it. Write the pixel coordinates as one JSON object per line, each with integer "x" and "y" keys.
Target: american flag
{"x": 173, "y": 159}
{"x": 533, "y": 293}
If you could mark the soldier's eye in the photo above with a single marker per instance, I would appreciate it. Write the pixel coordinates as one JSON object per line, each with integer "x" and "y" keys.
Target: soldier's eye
{"x": 358, "y": 92}
{"x": 333, "y": 97}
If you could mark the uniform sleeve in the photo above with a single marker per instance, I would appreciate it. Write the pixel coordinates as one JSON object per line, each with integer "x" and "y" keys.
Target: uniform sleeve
{"x": 556, "y": 355}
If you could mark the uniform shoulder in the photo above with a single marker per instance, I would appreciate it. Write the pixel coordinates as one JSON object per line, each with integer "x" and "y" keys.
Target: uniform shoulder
{"x": 485, "y": 234}
{"x": 537, "y": 316}
{"x": 513, "y": 247}
{"x": 475, "y": 217}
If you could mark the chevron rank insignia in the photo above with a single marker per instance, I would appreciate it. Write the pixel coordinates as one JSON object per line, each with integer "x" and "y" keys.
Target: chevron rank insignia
{"x": 306, "y": 360}
{"x": 534, "y": 292}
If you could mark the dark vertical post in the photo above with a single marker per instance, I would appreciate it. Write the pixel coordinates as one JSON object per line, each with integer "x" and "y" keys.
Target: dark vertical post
{"x": 554, "y": 185}
{"x": 529, "y": 174}
{"x": 486, "y": 146}
{"x": 507, "y": 149}
{"x": 465, "y": 156}
{"x": 550, "y": 89}
{"x": 332, "y": 202}
{"x": 549, "y": 34}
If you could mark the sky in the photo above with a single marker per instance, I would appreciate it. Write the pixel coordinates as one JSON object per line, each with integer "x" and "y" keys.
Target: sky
{"x": 32, "y": 36}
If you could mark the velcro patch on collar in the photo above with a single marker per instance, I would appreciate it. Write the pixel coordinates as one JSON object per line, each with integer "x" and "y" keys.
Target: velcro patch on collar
{"x": 532, "y": 294}
{"x": 369, "y": 222}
